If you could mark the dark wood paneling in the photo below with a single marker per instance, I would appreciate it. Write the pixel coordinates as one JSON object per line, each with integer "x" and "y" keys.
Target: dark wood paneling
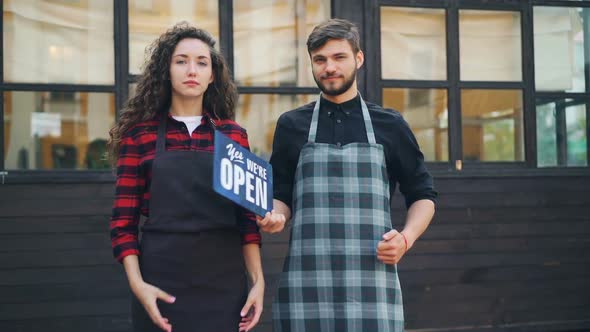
{"x": 440, "y": 230}
{"x": 501, "y": 245}
{"x": 467, "y": 261}
{"x": 82, "y": 290}
{"x": 512, "y": 199}
{"x": 94, "y": 323}
{"x": 509, "y": 215}
{"x": 59, "y": 191}
{"x": 60, "y": 275}
{"x": 490, "y": 185}
{"x": 53, "y": 241}
{"x": 55, "y": 207}
{"x": 65, "y": 309}
{"x": 51, "y": 224}
{"x": 502, "y": 254}
{"x": 50, "y": 259}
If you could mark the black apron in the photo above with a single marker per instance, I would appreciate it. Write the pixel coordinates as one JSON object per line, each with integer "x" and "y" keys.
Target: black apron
{"x": 190, "y": 245}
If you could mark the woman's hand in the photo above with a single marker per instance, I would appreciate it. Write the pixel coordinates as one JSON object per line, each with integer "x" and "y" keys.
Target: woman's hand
{"x": 253, "y": 308}
{"x": 147, "y": 295}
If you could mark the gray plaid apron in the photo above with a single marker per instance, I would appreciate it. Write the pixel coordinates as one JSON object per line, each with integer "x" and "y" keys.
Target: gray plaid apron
{"x": 332, "y": 280}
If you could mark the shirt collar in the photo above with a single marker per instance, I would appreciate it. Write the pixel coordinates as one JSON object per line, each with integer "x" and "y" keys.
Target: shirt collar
{"x": 205, "y": 120}
{"x": 349, "y": 106}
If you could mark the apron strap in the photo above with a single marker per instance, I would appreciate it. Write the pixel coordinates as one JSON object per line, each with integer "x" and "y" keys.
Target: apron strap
{"x": 161, "y": 139}
{"x": 368, "y": 123}
{"x": 313, "y": 129}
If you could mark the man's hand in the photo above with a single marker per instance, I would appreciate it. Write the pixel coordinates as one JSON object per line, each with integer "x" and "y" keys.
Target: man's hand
{"x": 272, "y": 222}
{"x": 392, "y": 248}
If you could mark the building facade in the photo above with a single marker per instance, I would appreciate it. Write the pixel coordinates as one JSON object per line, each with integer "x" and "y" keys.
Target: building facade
{"x": 497, "y": 93}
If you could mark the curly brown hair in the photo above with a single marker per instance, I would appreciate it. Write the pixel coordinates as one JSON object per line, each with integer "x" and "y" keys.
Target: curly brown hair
{"x": 154, "y": 90}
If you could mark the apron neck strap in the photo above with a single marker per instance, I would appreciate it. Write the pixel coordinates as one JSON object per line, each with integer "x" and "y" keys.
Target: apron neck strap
{"x": 367, "y": 119}
{"x": 161, "y": 139}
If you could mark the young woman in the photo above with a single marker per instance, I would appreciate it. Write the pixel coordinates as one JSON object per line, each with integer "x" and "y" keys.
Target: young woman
{"x": 188, "y": 271}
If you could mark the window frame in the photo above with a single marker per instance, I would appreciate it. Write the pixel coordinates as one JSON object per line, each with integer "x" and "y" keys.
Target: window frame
{"x": 118, "y": 89}
{"x": 455, "y": 85}
{"x": 369, "y": 78}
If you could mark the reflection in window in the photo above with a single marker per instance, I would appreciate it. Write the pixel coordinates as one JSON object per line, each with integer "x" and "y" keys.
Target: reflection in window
{"x": 132, "y": 90}
{"x": 270, "y": 40}
{"x": 57, "y": 130}
{"x": 492, "y": 125}
{"x": 413, "y": 44}
{"x": 425, "y": 110}
{"x": 149, "y": 19}
{"x": 58, "y": 41}
{"x": 561, "y": 133}
{"x": 488, "y": 54}
{"x": 559, "y": 48}
{"x": 258, "y": 114}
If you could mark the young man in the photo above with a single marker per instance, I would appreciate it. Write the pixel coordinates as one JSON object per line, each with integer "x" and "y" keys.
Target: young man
{"x": 335, "y": 164}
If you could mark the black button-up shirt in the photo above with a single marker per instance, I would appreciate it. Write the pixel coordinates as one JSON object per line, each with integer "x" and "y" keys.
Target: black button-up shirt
{"x": 341, "y": 124}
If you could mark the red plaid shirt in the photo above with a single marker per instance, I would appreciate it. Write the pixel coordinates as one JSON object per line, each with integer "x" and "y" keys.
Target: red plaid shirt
{"x": 134, "y": 173}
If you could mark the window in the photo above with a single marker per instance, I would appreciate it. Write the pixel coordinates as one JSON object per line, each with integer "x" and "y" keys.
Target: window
{"x": 258, "y": 114}
{"x": 490, "y": 54}
{"x": 413, "y": 44}
{"x": 426, "y": 112}
{"x": 559, "y": 49}
{"x": 561, "y": 133}
{"x": 270, "y": 41}
{"x": 148, "y": 19}
{"x": 58, "y": 41}
{"x": 413, "y": 48}
{"x": 271, "y": 64}
{"x": 490, "y": 82}
{"x": 492, "y": 125}
{"x": 53, "y": 130}
{"x": 562, "y": 87}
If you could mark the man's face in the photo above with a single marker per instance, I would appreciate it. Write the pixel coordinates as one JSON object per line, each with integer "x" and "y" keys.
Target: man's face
{"x": 334, "y": 66}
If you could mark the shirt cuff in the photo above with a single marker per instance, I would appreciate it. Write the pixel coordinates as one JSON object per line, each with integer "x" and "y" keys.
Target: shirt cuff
{"x": 283, "y": 197}
{"x": 126, "y": 253}
{"x": 411, "y": 200}
{"x": 252, "y": 238}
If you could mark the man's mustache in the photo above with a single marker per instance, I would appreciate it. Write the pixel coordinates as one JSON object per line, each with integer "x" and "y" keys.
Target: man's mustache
{"x": 326, "y": 76}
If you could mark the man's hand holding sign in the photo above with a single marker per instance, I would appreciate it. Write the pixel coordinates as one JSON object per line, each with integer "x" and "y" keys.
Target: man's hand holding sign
{"x": 246, "y": 179}
{"x": 273, "y": 222}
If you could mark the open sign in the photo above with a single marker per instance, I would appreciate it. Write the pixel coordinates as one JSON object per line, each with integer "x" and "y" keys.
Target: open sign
{"x": 241, "y": 176}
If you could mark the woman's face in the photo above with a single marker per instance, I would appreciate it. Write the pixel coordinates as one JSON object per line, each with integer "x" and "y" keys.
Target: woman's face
{"x": 190, "y": 70}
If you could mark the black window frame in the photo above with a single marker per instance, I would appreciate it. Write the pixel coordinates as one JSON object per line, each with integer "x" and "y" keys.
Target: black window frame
{"x": 118, "y": 89}
{"x": 366, "y": 14}
{"x": 454, "y": 85}
{"x": 549, "y": 95}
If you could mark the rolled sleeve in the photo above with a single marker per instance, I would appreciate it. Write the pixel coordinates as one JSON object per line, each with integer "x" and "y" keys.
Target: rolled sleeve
{"x": 283, "y": 163}
{"x": 247, "y": 225}
{"x": 126, "y": 207}
{"x": 415, "y": 182}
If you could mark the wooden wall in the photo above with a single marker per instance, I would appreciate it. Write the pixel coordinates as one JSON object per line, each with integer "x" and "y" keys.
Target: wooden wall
{"x": 503, "y": 254}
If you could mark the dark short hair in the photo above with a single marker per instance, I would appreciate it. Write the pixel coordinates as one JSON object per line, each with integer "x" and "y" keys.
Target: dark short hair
{"x": 335, "y": 28}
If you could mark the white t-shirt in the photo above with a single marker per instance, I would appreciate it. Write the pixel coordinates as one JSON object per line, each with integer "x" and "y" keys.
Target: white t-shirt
{"x": 191, "y": 122}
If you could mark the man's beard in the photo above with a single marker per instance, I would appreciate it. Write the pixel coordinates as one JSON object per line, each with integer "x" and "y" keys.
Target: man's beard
{"x": 348, "y": 81}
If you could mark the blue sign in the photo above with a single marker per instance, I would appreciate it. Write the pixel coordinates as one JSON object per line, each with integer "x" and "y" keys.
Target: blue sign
{"x": 241, "y": 176}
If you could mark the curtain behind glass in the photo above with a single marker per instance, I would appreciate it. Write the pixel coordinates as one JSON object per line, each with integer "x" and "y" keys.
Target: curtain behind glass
{"x": 58, "y": 41}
